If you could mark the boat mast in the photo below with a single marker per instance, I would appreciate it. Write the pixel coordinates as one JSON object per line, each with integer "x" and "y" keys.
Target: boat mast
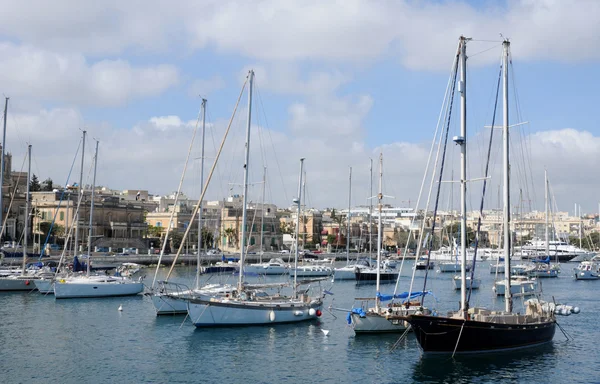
{"x": 79, "y": 196}
{"x": 580, "y": 227}
{"x": 303, "y": 205}
{"x": 2, "y": 165}
{"x": 547, "y": 234}
{"x": 379, "y": 230}
{"x": 25, "y": 231}
{"x": 507, "y": 237}
{"x": 245, "y": 197}
{"x": 201, "y": 186}
{"x": 348, "y": 218}
{"x": 89, "y": 259}
{"x": 463, "y": 175}
{"x": 371, "y": 209}
{"x": 298, "y": 203}
{"x": 262, "y": 214}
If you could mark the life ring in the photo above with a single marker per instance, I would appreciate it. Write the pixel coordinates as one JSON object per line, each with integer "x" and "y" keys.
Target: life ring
{"x": 26, "y": 282}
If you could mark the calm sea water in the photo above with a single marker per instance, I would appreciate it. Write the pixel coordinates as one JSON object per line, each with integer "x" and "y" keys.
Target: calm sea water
{"x": 43, "y": 340}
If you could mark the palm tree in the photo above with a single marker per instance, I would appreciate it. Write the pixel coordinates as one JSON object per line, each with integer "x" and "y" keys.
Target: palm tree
{"x": 230, "y": 233}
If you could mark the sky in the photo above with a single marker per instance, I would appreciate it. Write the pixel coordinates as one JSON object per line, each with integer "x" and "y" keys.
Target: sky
{"x": 337, "y": 83}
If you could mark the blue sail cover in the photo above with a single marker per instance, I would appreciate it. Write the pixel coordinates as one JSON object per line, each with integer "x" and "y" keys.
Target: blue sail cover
{"x": 544, "y": 260}
{"x": 403, "y": 295}
{"x": 78, "y": 266}
{"x": 359, "y": 311}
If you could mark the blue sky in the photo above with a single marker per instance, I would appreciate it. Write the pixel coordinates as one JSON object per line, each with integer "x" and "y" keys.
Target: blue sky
{"x": 338, "y": 82}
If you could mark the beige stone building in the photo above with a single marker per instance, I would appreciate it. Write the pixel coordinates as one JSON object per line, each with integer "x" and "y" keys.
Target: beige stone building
{"x": 231, "y": 226}
{"x": 115, "y": 224}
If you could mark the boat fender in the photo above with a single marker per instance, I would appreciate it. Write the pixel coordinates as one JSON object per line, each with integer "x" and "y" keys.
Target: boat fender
{"x": 319, "y": 313}
{"x": 26, "y": 282}
{"x": 272, "y": 316}
{"x": 312, "y": 312}
{"x": 576, "y": 310}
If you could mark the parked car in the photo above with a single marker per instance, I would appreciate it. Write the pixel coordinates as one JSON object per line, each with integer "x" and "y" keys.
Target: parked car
{"x": 55, "y": 247}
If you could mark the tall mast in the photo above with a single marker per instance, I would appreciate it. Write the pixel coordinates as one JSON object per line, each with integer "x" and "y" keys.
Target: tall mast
{"x": 201, "y": 186}
{"x": 303, "y": 205}
{"x": 79, "y": 196}
{"x": 26, "y": 230}
{"x": 2, "y": 165}
{"x": 89, "y": 259}
{"x": 547, "y": 234}
{"x": 580, "y": 227}
{"x": 298, "y": 202}
{"x": 370, "y": 209}
{"x": 507, "y": 237}
{"x": 348, "y": 218}
{"x": 463, "y": 175}
{"x": 379, "y": 230}
{"x": 262, "y": 214}
{"x": 245, "y": 197}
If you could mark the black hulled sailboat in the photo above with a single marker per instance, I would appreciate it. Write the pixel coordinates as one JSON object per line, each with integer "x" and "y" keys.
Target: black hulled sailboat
{"x": 471, "y": 330}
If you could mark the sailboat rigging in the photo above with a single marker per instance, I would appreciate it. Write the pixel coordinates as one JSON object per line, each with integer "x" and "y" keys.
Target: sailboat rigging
{"x": 95, "y": 285}
{"x": 380, "y": 319}
{"x": 249, "y": 305}
{"x": 479, "y": 329}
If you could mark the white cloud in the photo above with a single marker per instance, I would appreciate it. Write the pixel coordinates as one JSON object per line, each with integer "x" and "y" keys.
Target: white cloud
{"x": 422, "y": 34}
{"x": 131, "y": 158}
{"x": 37, "y": 74}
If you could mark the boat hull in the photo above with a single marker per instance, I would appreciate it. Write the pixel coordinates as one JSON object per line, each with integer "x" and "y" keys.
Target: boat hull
{"x": 371, "y": 277}
{"x": 73, "y": 290}
{"x": 586, "y": 275}
{"x": 516, "y": 288}
{"x": 375, "y": 323}
{"x": 344, "y": 274}
{"x": 472, "y": 284}
{"x": 219, "y": 313}
{"x": 312, "y": 272}
{"x": 45, "y": 286}
{"x": 451, "y": 268}
{"x": 16, "y": 284}
{"x": 266, "y": 270}
{"x": 169, "y": 304}
{"x": 449, "y": 335}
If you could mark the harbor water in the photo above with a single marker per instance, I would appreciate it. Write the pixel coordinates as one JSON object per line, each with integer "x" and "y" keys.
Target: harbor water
{"x": 44, "y": 340}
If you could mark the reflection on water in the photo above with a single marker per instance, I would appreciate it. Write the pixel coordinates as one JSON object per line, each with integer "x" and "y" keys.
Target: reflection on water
{"x": 89, "y": 340}
{"x": 526, "y": 365}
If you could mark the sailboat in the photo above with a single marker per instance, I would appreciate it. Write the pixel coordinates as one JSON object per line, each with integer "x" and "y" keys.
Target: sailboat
{"x": 250, "y": 304}
{"x": 383, "y": 319}
{"x": 541, "y": 265}
{"x": 348, "y": 272}
{"x": 95, "y": 285}
{"x": 479, "y": 329}
{"x": 23, "y": 281}
{"x": 170, "y": 298}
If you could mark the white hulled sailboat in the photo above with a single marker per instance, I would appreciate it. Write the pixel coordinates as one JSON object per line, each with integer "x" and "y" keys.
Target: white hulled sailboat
{"x": 249, "y": 304}
{"x": 90, "y": 285}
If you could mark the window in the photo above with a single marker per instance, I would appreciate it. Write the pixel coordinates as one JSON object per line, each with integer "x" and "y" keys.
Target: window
{"x": 159, "y": 224}
{"x": 62, "y": 216}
